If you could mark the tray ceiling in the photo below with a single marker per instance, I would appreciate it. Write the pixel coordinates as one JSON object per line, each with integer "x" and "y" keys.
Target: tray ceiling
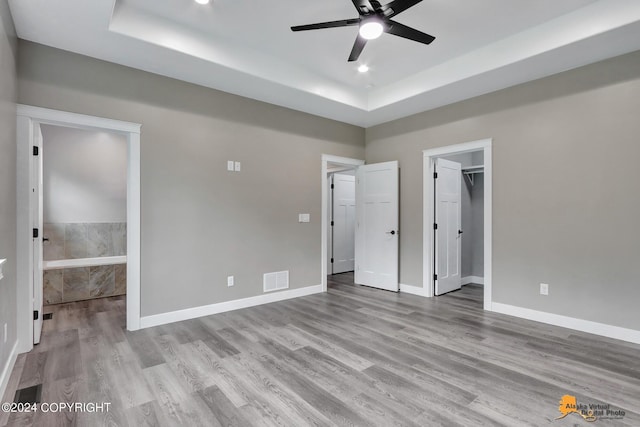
{"x": 246, "y": 47}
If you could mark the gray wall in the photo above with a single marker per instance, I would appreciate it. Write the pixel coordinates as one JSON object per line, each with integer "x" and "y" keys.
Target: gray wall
{"x": 565, "y": 187}
{"x": 84, "y": 175}
{"x": 201, "y": 223}
{"x": 7, "y": 181}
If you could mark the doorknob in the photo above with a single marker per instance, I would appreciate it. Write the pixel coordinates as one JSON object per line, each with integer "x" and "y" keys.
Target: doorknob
{"x": 392, "y": 232}
{"x": 459, "y": 232}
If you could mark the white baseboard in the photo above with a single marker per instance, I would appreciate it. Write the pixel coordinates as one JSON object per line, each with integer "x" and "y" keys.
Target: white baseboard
{"x": 8, "y": 368}
{"x": 413, "y": 290}
{"x": 617, "y": 332}
{"x": 478, "y": 280}
{"x": 207, "y": 310}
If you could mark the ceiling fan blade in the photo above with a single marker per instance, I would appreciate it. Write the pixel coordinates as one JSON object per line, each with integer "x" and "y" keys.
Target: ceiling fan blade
{"x": 330, "y": 24}
{"x": 363, "y": 7}
{"x": 397, "y": 29}
{"x": 375, "y": 4}
{"x": 398, "y": 6}
{"x": 357, "y": 48}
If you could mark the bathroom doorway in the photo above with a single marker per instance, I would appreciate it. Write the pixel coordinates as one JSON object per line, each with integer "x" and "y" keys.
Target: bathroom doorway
{"x": 84, "y": 211}
{"x": 31, "y": 121}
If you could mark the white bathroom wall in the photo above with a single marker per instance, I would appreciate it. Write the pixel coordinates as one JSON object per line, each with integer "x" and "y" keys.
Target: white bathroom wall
{"x": 85, "y": 176}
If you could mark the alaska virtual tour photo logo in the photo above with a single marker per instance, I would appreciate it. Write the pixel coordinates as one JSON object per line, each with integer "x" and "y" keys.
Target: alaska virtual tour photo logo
{"x": 588, "y": 411}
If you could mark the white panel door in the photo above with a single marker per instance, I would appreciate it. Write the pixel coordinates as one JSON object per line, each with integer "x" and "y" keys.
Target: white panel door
{"x": 377, "y": 226}
{"x": 344, "y": 221}
{"x": 448, "y": 215}
{"x": 37, "y": 241}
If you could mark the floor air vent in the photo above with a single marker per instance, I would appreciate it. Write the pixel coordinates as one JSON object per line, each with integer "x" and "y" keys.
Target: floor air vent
{"x": 47, "y": 316}
{"x": 29, "y": 394}
{"x": 276, "y": 281}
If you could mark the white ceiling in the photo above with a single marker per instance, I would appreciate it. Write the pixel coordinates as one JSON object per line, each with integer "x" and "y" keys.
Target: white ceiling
{"x": 246, "y": 47}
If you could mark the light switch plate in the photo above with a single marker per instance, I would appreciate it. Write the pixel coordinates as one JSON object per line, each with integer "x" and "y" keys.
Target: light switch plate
{"x": 304, "y": 218}
{"x": 237, "y": 166}
{"x": 229, "y": 281}
{"x": 544, "y": 289}
{"x": 230, "y": 165}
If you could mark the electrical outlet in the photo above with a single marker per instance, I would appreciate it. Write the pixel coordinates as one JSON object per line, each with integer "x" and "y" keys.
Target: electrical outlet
{"x": 229, "y": 281}
{"x": 544, "y": 289}
{"x": 230, "y": 165}
{"x": 237, "y": 166}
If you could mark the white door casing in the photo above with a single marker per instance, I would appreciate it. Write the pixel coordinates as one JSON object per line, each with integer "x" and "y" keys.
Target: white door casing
{"x": 448, "y": 217}
{"x": 377, "y": 233}
{"x": 36, "y": 194}
{"x": 344, "y": 219}
{"x": 329, "y": 232}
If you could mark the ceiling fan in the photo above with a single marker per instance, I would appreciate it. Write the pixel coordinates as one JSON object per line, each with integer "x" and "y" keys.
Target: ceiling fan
{"x": 374, "y": 19}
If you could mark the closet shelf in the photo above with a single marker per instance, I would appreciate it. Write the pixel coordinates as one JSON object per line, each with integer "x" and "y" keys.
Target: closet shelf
{"x": 470, "y": 171}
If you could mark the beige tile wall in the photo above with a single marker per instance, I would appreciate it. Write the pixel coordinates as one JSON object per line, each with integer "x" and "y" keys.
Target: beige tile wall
{"x": 84, "y": 240}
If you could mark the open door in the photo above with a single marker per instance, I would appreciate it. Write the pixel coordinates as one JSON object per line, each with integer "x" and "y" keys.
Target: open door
{"x": 343, "y": 222}
{"x": 448, "y": 232}
{"x": 377, "y": 195}
{"x": 37, "y": 234}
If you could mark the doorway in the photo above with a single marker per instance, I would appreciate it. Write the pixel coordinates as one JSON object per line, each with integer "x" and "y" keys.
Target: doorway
{"x": 30, "y": 223}
{"x": 458, "y": 221}
{"x": 84, "y": 216}
{"x": 330, "y": 166}
{"x": 342, "y": 219}
{"x": 442, "y": 247}
{"x": 376, "y": 221}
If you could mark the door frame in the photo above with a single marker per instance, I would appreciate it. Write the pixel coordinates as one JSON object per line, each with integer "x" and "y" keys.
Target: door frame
{"x": 27, "y": 118}
{"x": 428, "y": 212}
{"x": 343, "y": 161}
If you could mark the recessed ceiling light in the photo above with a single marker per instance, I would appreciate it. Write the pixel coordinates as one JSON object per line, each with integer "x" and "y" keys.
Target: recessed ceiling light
{"x": 202, "y": 1}
{"x": 371, "y": 30}
{"x": 363, "y": 68}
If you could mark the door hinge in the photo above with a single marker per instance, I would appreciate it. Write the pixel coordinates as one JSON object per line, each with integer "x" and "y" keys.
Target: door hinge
{"x": 35, "y": 150}
{"x": 332, "y": 223}
{"x": 435, "y": 226}
{"x": 332, "y": 186}
{"x": 36, "y": 314}
{"x": 35, "y": 233}
{"x": 331, "y": 260}
{"x": 435, "y": 277}
{"x": 435, "y": 175}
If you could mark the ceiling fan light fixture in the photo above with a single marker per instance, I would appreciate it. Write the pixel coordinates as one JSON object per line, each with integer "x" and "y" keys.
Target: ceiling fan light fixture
{"x": 202, "y": 1}
{"x": 371, "y": 29}
{"x": 363, "y": 68}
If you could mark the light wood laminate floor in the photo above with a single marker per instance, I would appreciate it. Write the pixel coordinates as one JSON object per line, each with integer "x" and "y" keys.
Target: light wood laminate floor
{"x": 355, "y": 356}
